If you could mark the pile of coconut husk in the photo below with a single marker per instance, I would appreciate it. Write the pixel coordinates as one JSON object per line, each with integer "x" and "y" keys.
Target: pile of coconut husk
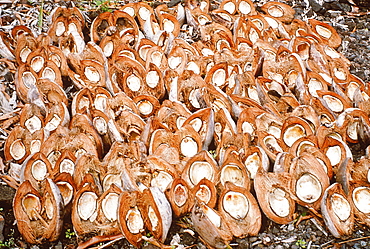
{"x": 226, "y": 113}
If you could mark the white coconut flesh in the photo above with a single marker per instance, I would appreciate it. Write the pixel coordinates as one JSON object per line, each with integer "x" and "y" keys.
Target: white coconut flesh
{"x": 92, "y": 74}
{"x": 333, "y": 103}
{"x": 154, "y": 221}
{"x": 193, "y": 98}
{"x": 368, "y": 176}
{"x": 232, "y": 81}
{"x": 134, "y": 221}
{"x": 253, "y": 94}
{"x": 33, "y": 124}
{"x": 203, "y": 20}
{"x": 232, "y": 173}
{"x": 196, "y": 123}
{"x": 83, "y": 102}
{"x": 219, "y": 77}
{"x": 174, "y": 61}
{"x": 247, "y": 128}
{"x": 127, "y": 53}
{"x": 86, "y": 205}
{"x": 314, "y": 85}
{"x": 303, "y": 145}
{"x": 276, "y": 11}
{"x": 162, "y": 180}
{"x": 28, "y": 79}
{"x": 203, "y": 5}
{"x": 340, "y": 73}
{"x": 67, "y": 165}
{"x": 236, "y": 205}
{"x": 180, "y": 195}
{"x": 351, "y": 89}
{"x": 180, "y": 121}
{"x": 53, "y": 123}
{"x": 230, "y": 7}
{"x": 66, "y": 190}
{"x": 80, "y": 152}
{"x": 340, "y": 206}
{"x": 293, "y": 133}
{"x": 49, "y": 206}
{"x": 212, "y": 215}
{"x": 323, "y": 31}
{"x": 39, "y": 170}
{"x": 133, "y": 82}
{"x": 192, "y": 66}
{"x": 110, "y": 206}
{"x": 199, "y": 170}
{"x": 17, "y": 149}
{"x": 352, "y": 130}
{"x": 207, "y": 52}
{"x": 53, "y": 157}
{"x": 144, "y": 13}
{"x": 272, "y": 144}
{"x": 308, "y": 188}
{"x": 168, "y": 25}
{"x": 145, "y": 107}
{"x": 60, "y": 29}
{"x": 108, "y": 49}
{"x": 35, "y": 146}
{"x": 31, "y": 205}
{"x": 152, "y": 79}
{"x": 278, "y": 202}
{"x": 227, "y": 18}
{"x": 244, "y": 7}
{"x": 110, "y": 179}
{"x": 49, "y": 73}
{"x": 72, "y": 27}
{"x": 252, "y": 163}
{"x": 100, "y": 125}
{"x": 143, "y": 51}
{"x": 24, "y": 54}
{"x": 37, "y": 63}
{"x": 156, "y": 58}
{"x": 272, "y": 22}
{"x": 253, "y": 35}
{"x": 274, "y": 130}
{"x": 188, "y": 146}
{"x": 334, "y": 153}
{"x": 258, "y": 23}
{"x": 361, "y": 198}
{"x": 204, "y": 194}
{"x": 130, "y": 11}
{"x": 100, "y": 102}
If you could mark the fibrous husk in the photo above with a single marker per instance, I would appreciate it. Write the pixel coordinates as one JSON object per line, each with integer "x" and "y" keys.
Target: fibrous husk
{"x": 131, "y": 217}
{"x": 205, "y": 191}
{"x": 157, "y": 212}
{"x": 39, "y": 215}
{"x": 21, "y": 143}
{"x": 240, "y": 211}
{"x": 273, "y": 195}
{"x": 308, "y": 182}
{"x": 337, "y": 212}
{"x": 198, "y": 167}
{"x": 210, "y": 225}
{"x": 359, "y": 195}
{"x": 180, "y": 197}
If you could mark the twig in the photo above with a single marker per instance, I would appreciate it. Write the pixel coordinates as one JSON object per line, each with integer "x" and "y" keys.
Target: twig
{"x": 352, "y": 240}
{"x": 111, "y": 242}
{"x": 327, "y": 243}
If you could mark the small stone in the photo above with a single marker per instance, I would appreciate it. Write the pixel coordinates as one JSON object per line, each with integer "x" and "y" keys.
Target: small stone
{"x": 363, "y": 243}
{"x": 279, "y": 247}
{"x": 253, "y": 239}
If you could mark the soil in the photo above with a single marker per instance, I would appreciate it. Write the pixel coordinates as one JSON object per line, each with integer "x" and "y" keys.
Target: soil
{"x": 352, "y": 23}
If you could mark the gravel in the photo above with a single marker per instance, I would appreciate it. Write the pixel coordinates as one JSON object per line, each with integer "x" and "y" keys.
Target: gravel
{"x": 352, "y": 23}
